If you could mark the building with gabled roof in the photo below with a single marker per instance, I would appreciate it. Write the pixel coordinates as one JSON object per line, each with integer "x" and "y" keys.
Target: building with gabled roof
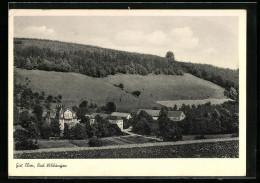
{"x": 176, "y": 115}
{"x": 65, "y": 115}
{"x": 92, "y": 117}
{"x": 121, "y": 114}
{"x": 154, "y": 113}
{"x": 173, "y": 115}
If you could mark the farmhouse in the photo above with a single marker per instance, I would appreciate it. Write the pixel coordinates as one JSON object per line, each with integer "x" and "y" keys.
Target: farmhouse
{"x": 93, "y": 115}
{"x": 65, "y": 115}
{"x": 112, "y": 119}
{"x": 122, "y": 115}
{"x": 154, "y": 113}
{"x": 116, "y": 120}
{"x": 176, "y": 115}
{"x": 173, "y": 115}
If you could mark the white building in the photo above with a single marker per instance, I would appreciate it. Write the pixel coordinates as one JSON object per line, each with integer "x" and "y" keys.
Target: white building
{"x": 65, "y": 115}
{"x": 116, "y": 120}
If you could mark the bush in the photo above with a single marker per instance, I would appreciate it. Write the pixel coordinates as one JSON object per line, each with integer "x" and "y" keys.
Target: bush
{"x": 111, "y": 107}
{"x": 121, "y": 86}
{"x": 178, "y": 138}
{"x": 78, "y": 132}
{"x": 126, "y": 123}
{"x": 199, "y": 137}
{"x": 142, "y": 127}
{"x": 136, "y": 93}
{"x": 46, "y": 131}
{"x": 95, "y": 142}
{"x": 171, "y": 136}
{"x": 55, "y": 127}
{"x": 23, "y": 142}
{"x": 27, "y": 144}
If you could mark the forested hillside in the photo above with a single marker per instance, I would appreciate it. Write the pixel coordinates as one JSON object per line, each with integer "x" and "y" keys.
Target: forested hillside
{"x": 100, "y": 62}
{"x": 223, "y": 77}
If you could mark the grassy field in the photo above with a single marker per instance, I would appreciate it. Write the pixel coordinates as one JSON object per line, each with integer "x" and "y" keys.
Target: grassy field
{"x": 223, "y": 149}
{"x": 47, "y": 144}
{"x": 126, "y": 140}
{"x": 76, "y": 87}
{"x": 170, "y": 103}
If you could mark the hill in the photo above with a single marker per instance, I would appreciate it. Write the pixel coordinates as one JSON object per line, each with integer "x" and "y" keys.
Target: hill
{"x": 75, "y": 87}
{"x": 101, "y": 62}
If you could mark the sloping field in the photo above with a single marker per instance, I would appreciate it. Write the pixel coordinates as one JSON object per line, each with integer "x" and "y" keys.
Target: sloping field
{"x": 171, "y": 103}
{"x": 75, "y": 87}
{"x": 217, "y": 149}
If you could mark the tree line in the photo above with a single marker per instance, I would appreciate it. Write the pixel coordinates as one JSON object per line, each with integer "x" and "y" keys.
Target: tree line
{"x": 225, "y": 78}
{"x": 100, "y": 62}
{"x": 94, "y": 63}
{"x": 201, "y": 120}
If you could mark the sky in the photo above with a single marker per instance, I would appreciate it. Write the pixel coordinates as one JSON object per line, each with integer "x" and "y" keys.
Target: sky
{"x": 208, "y": 39}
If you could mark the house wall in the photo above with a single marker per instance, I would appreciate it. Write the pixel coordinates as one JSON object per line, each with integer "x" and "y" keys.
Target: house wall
{"x": 119, "y": 123}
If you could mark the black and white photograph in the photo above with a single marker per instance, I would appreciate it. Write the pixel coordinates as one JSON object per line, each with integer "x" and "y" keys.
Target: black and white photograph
{"x": 112, "y": 85}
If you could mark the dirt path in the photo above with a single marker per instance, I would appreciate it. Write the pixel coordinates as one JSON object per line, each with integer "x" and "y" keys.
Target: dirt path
{"x": 128, "y": 131}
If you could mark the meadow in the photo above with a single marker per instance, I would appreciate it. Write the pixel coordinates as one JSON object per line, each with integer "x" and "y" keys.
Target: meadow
{"x": 47, "y": 144}
{"x": 77, "y": 87}
{"x": 170, "y": 103}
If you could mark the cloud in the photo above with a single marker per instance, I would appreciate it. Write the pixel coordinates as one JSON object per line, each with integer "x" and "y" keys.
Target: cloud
{"x": 36, "y": 32}
{"x": 177, "y": 38}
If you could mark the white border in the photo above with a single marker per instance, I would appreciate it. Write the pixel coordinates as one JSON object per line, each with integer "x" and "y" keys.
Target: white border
{"x": 136, "y": 167}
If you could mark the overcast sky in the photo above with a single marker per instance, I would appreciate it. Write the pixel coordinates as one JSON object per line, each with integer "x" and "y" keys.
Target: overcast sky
{"x": 210, "y": 40}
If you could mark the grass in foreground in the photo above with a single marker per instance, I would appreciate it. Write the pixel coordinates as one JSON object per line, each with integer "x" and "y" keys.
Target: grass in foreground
{"x": 223, "y": 149}
{"x": 47, "y": 144}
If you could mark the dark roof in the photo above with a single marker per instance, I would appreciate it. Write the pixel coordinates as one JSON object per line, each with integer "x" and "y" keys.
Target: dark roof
{"x": 114, "y": 118}
{"x": 102, "y": 115}
{"x": 174, "y": 113}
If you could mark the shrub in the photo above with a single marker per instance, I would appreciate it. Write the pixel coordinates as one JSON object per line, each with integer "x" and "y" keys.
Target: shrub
{"x": 199, "y": 137}
{"x": 111, "y": 107}
{"x": 178, "y": 138}
{"x": 78, "y": 132}
{"x": 126, "y": 123}
{"x": 121, "y": 86}
{"x": 27, "y": 144}
{"x": 55, "y": 127}
{"x": 46, "y": 131}
{"x": 33, "y": 131}
{"x": 23, "y": 142}
{"x": 142, "y": 127}
{"x": 171, "y": 136}
{"x": 136, "y": 93}
{"x": 95, "y": 142}
{"x": 66, "y": 132}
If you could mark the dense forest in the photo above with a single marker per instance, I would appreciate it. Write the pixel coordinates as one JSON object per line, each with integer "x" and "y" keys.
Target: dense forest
{"x": 100, "y": 62}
